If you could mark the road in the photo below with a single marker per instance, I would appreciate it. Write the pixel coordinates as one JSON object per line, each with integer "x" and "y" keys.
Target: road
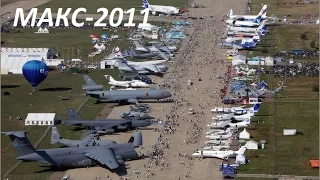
{"x": 276, "y": 176}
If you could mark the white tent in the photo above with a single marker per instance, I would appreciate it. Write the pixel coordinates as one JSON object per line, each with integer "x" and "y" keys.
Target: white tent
{"x": 44, "y": 30}
{"x": 269, "y": 61}
{"x": 239, "y": 59}
{"x": 251, "y": 145}
{"x": 240, "y": 159}
{"x": 289, "y": 132}
{"x": 40, "y": 119}
{"x": 244, "y": 134}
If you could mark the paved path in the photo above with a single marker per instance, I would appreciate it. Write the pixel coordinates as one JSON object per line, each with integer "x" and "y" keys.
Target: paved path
{"x": 276, "y": 176}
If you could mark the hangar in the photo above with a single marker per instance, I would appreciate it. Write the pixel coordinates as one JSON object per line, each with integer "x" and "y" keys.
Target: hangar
{"x": 13, "y": 59}
{"x": 40, "y": 119}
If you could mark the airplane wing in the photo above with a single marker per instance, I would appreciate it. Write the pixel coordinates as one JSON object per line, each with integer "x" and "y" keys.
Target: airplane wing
{"x": 122, "y": 98}
{"x": 163, "y": 56}
{"x": 152, "y": 68}
{"x": 103, "y": 156}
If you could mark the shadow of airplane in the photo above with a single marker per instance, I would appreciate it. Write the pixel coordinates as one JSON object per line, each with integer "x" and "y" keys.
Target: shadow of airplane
{"x": 122, "y": 171}
{"x": 9, "y": 86}
{"x": 56, "y": 89}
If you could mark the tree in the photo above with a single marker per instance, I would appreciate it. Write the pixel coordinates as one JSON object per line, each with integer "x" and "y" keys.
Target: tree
{"x": 315, "y": 88}
{"x": 313, "y": 44}
{"x": 303, "y": 36}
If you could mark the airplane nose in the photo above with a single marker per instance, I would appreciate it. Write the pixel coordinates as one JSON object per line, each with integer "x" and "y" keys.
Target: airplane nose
{"x": 167, "y": 94}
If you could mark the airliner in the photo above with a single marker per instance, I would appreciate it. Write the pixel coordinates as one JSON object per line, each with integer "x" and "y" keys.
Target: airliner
{"x": 159, "y": 9}
{"x": 250, "y": 22}
{"x": 261, "y": 27}
{"x": 219, "y": 154}
{"x": 263, "y": 13}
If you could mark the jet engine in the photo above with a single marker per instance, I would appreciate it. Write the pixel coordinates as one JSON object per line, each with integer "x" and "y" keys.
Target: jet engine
{"x": 133, "y": 101}
{"x": 120, "y": 127}
{"x": 93, "y": 88}
{"x": 120, "y": 161}
{"x": 154, "y": 13}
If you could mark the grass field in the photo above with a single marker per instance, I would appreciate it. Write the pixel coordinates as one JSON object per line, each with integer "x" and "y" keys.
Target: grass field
{"x": 92, "y": 6}
{"x": 64, "y": 40}
{"x": 294, "y": 11}
{"x": 291, "y": 109}
{"x": 287, "y": 37}
{"x": 6, "y": 2}
{"x": 46, "y": 98}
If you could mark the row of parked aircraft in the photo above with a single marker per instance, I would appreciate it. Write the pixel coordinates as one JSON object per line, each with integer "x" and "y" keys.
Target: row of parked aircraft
{"x": 244, "y": 31}
{"x": 219, "y": 139}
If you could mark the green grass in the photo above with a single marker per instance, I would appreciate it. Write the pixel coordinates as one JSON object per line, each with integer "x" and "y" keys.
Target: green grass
{"x": 297, "y": 114}
{"x": 295, "y": 11}
{"x": 286, "y": 37}
{"x": 92, "y": 6}
{"x": 298, "y": 89}
{"x": 292, "y": 153}
{"x": 288, "y": 159}
{"x": 246, "y": 178}
{"x": 20, "y": 103}
{"x": 64, "y": 40}
{"x": 67, "y": 41}
{"x": 7, "y": 2}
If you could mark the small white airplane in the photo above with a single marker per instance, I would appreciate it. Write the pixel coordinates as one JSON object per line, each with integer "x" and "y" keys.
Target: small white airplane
{"x": 218, "y": 142}
{"x": 216, "y": 148}
{"x": 239, "y": 116}
{"x": 220, "y": 136}
{"x": 219, "y": 154}
{"x": 235, "y": 109}
{"x": 218, "y": 132}
{"x": 133, "y": 83}
{"x": 232, "y": 39}
{"x": 160, "y": 9}
{"x": 115, "y": 88}
{"x": 232, "y": 125}
{"x": 263, "y": 13}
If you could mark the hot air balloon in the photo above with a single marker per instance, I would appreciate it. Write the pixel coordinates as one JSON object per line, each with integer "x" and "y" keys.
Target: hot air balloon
{"x": 35, "y": 72}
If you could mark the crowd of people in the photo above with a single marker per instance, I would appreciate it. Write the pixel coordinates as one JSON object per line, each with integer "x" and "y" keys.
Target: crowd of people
{"x": 189, "y": 61}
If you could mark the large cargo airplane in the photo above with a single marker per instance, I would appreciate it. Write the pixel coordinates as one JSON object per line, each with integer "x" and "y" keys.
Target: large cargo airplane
{"x": 159, "y": 9}
{"x": 232, "y": 17}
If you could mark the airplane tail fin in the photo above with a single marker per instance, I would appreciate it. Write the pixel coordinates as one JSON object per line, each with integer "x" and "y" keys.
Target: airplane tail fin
{"x": 132, "y": 109}
{"x": 256, "y": 107}
{"x": 230, "y": 13}
{"x": 73, "y": 115}
{"x": 20, "y": 142}
{"x": 262, "y": 26}
{"x": 136, "y": 139}
{"x": 145, "y": 4}
{"x": 55, "y": 135}
{"x": 91, "y": 85}
{"x": 241, "y": 150}
{"x": 109, "y": 78}
{"x": 258, "y": 19}
{"x": 263, "y": 11}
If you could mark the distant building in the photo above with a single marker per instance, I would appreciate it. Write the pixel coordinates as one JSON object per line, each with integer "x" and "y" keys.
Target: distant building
{"x": 40, "y": 119}
{"x": 13, "y": 59}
